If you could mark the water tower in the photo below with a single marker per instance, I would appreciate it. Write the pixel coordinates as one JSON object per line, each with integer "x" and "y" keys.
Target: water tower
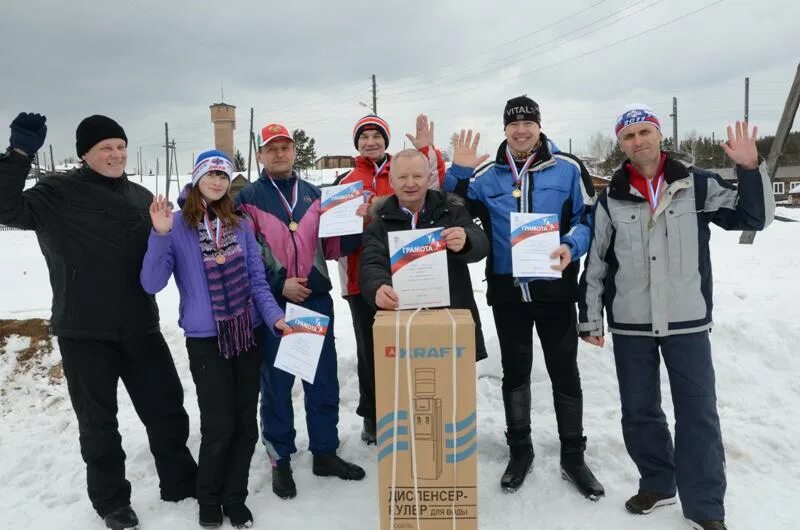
{"x": 223, "y": 116}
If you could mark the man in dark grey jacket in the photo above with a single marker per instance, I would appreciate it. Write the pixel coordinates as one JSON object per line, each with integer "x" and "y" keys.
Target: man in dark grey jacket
{"x": 648, "y": 266}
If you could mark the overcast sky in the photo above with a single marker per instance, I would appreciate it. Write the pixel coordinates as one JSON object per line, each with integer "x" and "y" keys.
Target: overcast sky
{"x": 308, "y": 64}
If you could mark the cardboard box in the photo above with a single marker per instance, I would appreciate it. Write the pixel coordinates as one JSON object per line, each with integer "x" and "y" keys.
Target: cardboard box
{"x": 440, "y": 444}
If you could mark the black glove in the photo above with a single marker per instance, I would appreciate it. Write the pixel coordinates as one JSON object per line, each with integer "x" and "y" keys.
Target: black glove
{"x": 28, "y": 132}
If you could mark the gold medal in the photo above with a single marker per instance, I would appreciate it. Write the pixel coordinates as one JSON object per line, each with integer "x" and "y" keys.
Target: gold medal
{"x": 517, "y": 193}
{"x": 220, "y": 259}
{"x": 293, "y": 226}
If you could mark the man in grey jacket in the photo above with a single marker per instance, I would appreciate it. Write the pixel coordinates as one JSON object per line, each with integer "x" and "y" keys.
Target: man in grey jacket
{"x": 649, "y": 268}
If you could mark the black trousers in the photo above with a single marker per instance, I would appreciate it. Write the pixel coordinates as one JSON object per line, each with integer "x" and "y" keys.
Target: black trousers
{"x": 555, "y": 323}
{"x": 363, "y": 314}
{"x": 227, "y": 394}
{"x": 92, "y": 369}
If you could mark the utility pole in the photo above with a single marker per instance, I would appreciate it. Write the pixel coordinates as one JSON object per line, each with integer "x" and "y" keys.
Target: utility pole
{"x": 255, "y": 148}
{"x": 173, "y": 164}
{"x": 250, "y": 145}
{"x": 374, "y": 96}
{"x": 570, "y": 146}
{"x": 52, "y": 160}
{"x": 156, "y": 175}
{"x": 674, "y": 117}
{"x": 746, "y": 99}
{"x": 166, "y": 147}
{"x": 781, "y": 135}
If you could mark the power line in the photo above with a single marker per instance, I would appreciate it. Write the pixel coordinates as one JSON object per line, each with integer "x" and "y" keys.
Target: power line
{"x": 503, "y": 45}
{"x": 559, "y": 63}
{"x": 501, "y": 62}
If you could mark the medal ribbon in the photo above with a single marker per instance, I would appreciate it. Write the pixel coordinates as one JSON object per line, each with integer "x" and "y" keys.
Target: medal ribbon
{"x": 378, "y": 170}
{"x": 286, "y": 206}
{"x": 511, "y": 164}
{"x": 654, "y": 195}
{"x": 214, "y": 234}
{"x": 414, "y": 217}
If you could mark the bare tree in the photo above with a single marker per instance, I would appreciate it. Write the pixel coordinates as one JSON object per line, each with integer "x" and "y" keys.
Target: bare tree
{"x": 600, "y": 145}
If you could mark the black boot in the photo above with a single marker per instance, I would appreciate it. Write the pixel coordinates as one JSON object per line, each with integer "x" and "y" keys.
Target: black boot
{"x": 210, "y": 515}
{"x": 517, "y": 404}
{"x": 239, "y": 514}
{"x": 282, "y": 482}
{"x": 333, "y": 466}
{"x": 122, "y": 519}
{"x": 368, "y": 432}
{"x": 569, "y": 415}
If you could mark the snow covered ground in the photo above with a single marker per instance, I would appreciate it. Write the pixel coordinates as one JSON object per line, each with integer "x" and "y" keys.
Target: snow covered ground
{"x": 755, "y": 341}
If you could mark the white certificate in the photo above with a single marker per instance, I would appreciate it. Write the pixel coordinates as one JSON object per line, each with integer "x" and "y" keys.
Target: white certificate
{"x": 534, "y": 236}
{"x": 338, "y": 207}
{"x": 299, "y": 351}
{"x": 419, "y": 268}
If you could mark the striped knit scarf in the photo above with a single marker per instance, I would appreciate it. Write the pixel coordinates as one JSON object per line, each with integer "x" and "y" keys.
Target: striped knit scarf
{"x": 229, "y": 287}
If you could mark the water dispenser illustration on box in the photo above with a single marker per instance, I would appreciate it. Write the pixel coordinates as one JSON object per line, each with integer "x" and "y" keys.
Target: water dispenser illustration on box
{"x": 427, "y": 424}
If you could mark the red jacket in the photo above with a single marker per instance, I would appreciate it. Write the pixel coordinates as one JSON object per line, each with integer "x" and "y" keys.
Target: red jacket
{"x": 378, "y": 185}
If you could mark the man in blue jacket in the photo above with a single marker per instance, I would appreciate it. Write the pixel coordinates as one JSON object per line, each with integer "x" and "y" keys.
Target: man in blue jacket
{"x": 531, "y": 175}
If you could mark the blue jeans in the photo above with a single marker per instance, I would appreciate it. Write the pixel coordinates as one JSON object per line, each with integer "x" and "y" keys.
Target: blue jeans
{"x": 696, "y": 464}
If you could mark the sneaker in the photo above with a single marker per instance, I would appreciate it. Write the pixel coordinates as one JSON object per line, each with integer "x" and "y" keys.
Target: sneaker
{"x": 645, "y": 502}
{"x": 122, "y": 519}
{"x": 707, "y": 525}
{"x": 210, "y": 516}
{"x": 333, "y": 466}
{"x": 368, "y": 432}
{"x": 239, "y": 514}
{"x": 282, "y": 482}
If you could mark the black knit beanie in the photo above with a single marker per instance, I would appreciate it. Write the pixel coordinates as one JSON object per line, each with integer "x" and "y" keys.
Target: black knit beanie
{"x": 95, "y": 129}
{"x": 521, "y": 108}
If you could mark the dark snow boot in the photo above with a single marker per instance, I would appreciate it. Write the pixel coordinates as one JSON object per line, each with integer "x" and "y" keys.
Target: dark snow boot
{"x": 517, "y": 403}
{"x": 334, "y": 466}
{"x": 282, "y": 482}
{"x": 368, "y": 432}
{"x": 122, "y": 519}
{"x": 569, "y": 415}
{"x": 210, "y": 515}
{"x": 239, "y": 514}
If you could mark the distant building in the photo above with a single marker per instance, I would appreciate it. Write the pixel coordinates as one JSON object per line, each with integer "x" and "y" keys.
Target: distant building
{"x": 239, "y": 181}
{"x": 334, "y": 162}
{"x": 794, "y": 196}
{"x": 786, "y": 180}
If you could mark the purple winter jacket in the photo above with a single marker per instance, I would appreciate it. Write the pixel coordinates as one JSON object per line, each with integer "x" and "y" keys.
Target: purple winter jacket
{"x": 178, "y": 252}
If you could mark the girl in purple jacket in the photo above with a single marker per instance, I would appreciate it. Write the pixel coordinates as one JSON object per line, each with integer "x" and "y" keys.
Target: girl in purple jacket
{"x": 224, "y": 299}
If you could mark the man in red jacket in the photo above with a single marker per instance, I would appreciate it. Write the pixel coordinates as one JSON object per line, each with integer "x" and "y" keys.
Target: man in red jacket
{"x": 371, "y": 138}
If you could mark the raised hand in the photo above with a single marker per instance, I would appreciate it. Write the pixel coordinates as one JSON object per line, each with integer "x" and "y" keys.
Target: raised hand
{"x": 455, "y": 238}
{"x": 424, "y": 136}
{"x": 741, "y": 145}
{"x": 465, "y": 149}
{"x": 161, "y": 215}
{"x": 28, "y": 132}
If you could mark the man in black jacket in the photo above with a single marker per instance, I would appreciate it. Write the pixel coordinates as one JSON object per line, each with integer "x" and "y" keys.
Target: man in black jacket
{"x": 415, "y": 206}
{"x": 92, "y": 227}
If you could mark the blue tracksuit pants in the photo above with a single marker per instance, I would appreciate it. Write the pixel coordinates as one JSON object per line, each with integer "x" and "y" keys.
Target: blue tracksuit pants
{"x": 321, "y": 398}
